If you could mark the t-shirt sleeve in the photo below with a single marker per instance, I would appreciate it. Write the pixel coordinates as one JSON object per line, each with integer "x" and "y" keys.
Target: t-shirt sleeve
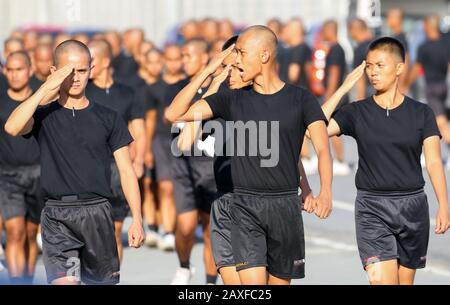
{"x": 119, "y": 136}
{"x": 139, "y": 100}
{"x": 311, "y": 109}
{"x": 220, "y": 104}
{"x": 151, "y": 101}
{"x": 345, "y": 117}
{"x": 430, "y": 127}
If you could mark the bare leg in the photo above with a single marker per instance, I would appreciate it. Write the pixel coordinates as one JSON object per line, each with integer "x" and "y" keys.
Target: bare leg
{"x": 32, "y": 248}
{"x": 185, "y": 234}
{"x": 229, "y": 276}
{"x": 167, "y": 205}
{"x": 210, "y": 266}
{"x": 253, "y": 276}
{"x": 406, "y": 275}
{"x": 383, "y": 273}
{"x": 118, "y": 233}
{"x": 273, "y": 280}
{"x": 15, "y": 246}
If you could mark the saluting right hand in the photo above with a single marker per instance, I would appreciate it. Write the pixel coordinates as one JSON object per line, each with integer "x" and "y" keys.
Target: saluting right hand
{"x": 354, "y": 76}
{"x": 55, "y": 79}
{"x": 53, "y": 83}
{"x": 216, "y": 61}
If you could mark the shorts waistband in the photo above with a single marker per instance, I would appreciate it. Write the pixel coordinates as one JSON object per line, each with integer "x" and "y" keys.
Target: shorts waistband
{"x": 75, "y": 200}
{"x": 394, "y": 194}
{"x": 240, "y": 191}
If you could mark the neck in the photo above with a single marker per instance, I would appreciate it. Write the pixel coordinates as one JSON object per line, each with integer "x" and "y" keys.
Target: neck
{"x": 40, "y": 77}
{"x": 434, "y": 35}
{"x": 142, "y": 73}
{"x": 73, "y": 102}
{"x": 268, "y": 81}
{"x": 397, "y": 30}
{"x": 152, "y": 79}
{"x": 104, "y": 80}
{"x": 172, "y": 78}
{"x": 296, "y": 40}
{"x": 20, "y": 95}
{"x": 390, "y": 98}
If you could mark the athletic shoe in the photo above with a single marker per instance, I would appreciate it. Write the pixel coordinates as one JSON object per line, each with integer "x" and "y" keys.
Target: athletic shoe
{"x": 1, "y": 250}
{"x": 151, "y": 239}
{"x": 341, "y": 168}
{"x": 2, "y": 267}
{"x": 183, "y": 276}
{"x": 310, "y": 165}
{"x": 167, "y": 242}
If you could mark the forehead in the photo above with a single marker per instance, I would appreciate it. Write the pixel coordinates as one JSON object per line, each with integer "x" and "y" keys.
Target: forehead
{"x": 172, "y": 52}
{"x": 381, "y": 55}
{"x": 16, "y": 62}
{"x": 78, "y": 58}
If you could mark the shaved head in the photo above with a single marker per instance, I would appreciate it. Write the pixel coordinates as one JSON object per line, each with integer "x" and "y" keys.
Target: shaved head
{"x": 71, "y": 46}
{"x": 22, "y": 55}
{"x": 262, "y": 37}
{"x": 102, "y": 48}
{"x": 199, "y": 45}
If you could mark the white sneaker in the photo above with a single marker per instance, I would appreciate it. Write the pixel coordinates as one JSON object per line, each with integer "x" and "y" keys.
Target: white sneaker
{"x": 2, "y": 267}
{"x": 340, "y": 168}
{"x": 39, "y": 241}
{"x": 310, "y": 165}
{"x": 183, "y": 276}
{"x": 167, "y": 242}
{"x": 1, "y": 250}
{"x": 151, "y": 239}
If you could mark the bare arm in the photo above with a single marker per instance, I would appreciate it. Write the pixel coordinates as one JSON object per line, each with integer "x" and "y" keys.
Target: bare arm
{"x": 20, "y": 122}
{"x": 180, "y": 104}
{"x": 432, "y": 151}
{"x": 130, "y": 188}
{"x": 138, "y": 131}
{"x": 319, "y": 138}
{"x": 413, "y": 75}
{"x": 150, "y": 126}
{"x": 294, "y": 73}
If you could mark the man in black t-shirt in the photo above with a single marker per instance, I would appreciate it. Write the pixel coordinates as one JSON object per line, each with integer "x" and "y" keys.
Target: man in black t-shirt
{"x": 394, "y": 20}
{"x": 335, "y": 71}
{"x": 21, "y": 202}
{"x": 433, "y": 57}
{"x": 120, "y": 98}
{"x": 267, "y": 229}
{"x": 360, "y": 34}
{"x": 299, "y": 53}
{"x": 43, "y": 60}
{"x": 159, "y": 157}
{"x": 193, "y": 176}
{"x": 77, "y": 138}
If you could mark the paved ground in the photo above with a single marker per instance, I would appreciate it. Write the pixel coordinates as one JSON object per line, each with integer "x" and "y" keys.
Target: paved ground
{"x": 332, "y": 257}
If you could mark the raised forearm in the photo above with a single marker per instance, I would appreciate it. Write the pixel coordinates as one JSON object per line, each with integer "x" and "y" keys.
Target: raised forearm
{"x": 182, "y": 101}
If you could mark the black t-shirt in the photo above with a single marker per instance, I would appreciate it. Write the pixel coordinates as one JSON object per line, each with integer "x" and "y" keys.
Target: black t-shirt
{"x": 360, "y": 53}
{"x": 293, "y": 109}
{"x": 3, "y": 83}
{"x": 402, "y": 38}
{"x": 118, "y": 97}
{"x": 335, "y": 57}
{"x": 434, "y": 56}
{"x": 76, "y": 148}
{"x": 158, "y": 91}
{"x": 14, "y": 151}
{"x": 300, "y": 55}
{"x": 389, "y": 147}
{"x": 35, "y": 83}
{"x": 283, "y": 62}
{"x": 125, "y": 67}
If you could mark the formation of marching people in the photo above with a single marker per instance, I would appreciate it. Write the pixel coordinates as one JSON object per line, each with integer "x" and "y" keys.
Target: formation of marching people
{"x": 212, "y": 132}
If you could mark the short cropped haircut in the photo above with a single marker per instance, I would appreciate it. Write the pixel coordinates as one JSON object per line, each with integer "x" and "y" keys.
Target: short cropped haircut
{"x": 390, "y": 45}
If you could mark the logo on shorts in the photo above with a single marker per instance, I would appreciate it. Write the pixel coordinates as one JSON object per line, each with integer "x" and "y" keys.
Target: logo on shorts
{"x": 299, "y": 263}
{"x": 241, "y": 264}
{"x": 372, "y": 260}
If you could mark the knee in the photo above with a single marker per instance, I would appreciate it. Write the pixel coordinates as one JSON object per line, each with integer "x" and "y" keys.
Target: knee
{"x": 165, "y": 189}
{"x": 185, "y": 231}
{"x": 16, "y": 235}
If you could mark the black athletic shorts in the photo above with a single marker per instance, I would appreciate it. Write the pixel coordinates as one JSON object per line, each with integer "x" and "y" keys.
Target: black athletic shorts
{"x": 221, "y": 231}
{"x": 163, "y": 158}
{"x": 436, "y": 95}
{"x": 392, "y": 226}
{"x": 194, "y": 184}
{"x": 20, "y": 193}
{"x": 267, "y": 230}
{"x": 118, "y": 202}
{"x": 78, "y": 241}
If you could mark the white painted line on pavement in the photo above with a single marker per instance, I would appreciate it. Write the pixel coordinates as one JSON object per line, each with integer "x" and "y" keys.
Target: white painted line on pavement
{"x": 325, "y": 242}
